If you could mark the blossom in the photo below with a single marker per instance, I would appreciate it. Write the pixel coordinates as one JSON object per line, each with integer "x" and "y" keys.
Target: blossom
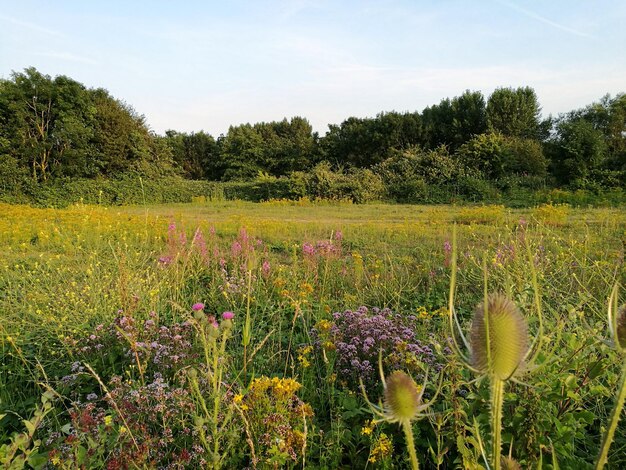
{"x": 198, "y": 306}
{"x": 228, "y": 315}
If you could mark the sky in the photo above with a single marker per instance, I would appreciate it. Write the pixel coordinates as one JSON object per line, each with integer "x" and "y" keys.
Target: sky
{"x": 206, "y": 65}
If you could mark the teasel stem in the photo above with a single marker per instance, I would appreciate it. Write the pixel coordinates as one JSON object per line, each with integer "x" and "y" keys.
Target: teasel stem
{"x": 408, "y": 437}
{"x": 497, "y": 399}
{"x": 615, "y": 415}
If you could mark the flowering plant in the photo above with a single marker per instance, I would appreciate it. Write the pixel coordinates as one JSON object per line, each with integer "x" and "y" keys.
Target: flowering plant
{"x": 358, "y": 337}
{"x": 275, "y": 419}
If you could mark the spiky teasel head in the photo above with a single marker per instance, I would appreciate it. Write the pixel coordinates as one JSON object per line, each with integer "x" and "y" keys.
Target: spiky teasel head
{"x": 402, "y": 397}
{"x": 498, "y": 338}
{"x": 617, "y": 321}
{"x": 509, "y": 463}
{"x": 620, "y": 330}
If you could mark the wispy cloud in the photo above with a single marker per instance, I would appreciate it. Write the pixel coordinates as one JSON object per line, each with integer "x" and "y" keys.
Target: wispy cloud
{"x": 545, "y": 20}
{"x": 31, "y": 26}
{"x": 68, "y": 56}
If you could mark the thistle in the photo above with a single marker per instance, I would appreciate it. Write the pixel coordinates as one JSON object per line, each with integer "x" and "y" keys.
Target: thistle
{"x": 617, "y": 328}
{"x": 498, "y": 345}
{"x": 402, "y": 404}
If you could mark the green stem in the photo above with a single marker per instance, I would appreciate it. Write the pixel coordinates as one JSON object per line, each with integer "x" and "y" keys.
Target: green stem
{"x": 615, "y": 414}
{"x": 408, "y": 437}
{"x": 497, "y": 399}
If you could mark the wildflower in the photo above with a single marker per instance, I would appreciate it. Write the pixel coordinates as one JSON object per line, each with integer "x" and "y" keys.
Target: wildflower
{"x": 265, "y": 268}
{"x": 228, "y": 315}
{"x": 197, "y": 306}
{"x": 108, "y": 420}
{"x": 382, "y": 448}
{"x": 368, "y": 428}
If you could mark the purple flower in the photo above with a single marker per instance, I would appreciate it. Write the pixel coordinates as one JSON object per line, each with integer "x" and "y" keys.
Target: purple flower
{"x": 228, "y": 315}
{"x": 198, "y": 306}
{"x": 358, "y": 337}
{"x": 165, "y": 260}
{"x": 308, "y": 249}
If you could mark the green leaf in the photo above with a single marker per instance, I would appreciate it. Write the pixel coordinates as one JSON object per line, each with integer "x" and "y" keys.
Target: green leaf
{"x": 37, "y": 460}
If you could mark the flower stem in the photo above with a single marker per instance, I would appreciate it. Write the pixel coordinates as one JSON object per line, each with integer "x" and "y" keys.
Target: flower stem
{"x": 497, "y": 399}
{"x": 615, "y": 414}
{"x": 408, "y": 437}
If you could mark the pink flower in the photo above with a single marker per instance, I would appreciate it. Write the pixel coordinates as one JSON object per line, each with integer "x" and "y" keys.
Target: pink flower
{"x": 266, "y": 267}
{"x": 198, "y": 306}
{"x": 228, "y": 315}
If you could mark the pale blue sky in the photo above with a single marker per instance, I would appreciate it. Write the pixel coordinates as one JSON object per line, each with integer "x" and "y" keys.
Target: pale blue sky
{"x": 193, "y": 65}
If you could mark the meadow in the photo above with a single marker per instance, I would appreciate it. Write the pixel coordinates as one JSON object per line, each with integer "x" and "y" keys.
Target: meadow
{"x": 253, "y": 335}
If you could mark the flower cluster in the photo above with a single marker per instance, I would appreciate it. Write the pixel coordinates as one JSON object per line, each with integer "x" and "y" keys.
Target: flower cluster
{"x": 156, "y": 348}
{"x": 382, "y": 448}
{"x": 358, "y": 336}
{"x": 323, "y": 248}
{"x": 276, "y": 419}
{"x": 134, "y": 426}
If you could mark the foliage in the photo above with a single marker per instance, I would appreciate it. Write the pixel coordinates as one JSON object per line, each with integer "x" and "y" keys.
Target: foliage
{"x": 514, "y": 112}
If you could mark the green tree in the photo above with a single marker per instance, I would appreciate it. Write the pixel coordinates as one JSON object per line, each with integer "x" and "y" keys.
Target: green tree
{"x": 453, "y": 122}
{"x": 469, "y": 117}
{"x": 577, "y": 149}
{"x": 514, "y": 112}
{"x": 364, "y": 142}
{"x": 276, "y": 148}
{"x": 197, "y": 154}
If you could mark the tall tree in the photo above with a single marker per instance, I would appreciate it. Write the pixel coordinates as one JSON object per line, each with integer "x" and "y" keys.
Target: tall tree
{"x": 469, "y": 117}
{"x": 364, "y": 142}
{"x": 576, "y": 150}
{"x": 514, "y": 112}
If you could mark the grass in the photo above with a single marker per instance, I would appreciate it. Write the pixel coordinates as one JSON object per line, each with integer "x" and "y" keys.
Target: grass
{"x": 285, "y": 267}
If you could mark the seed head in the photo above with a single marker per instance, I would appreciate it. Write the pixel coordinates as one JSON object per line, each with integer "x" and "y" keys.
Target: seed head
{"x": 510, "y": 464}
{"x": 620, "y": 334}
{"x": 501, "y": 351}
{"x": 402, "y": 397}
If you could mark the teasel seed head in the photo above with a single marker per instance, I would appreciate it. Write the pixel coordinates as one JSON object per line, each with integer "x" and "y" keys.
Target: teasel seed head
{"x": 620, "y": 334}
{"x": 402, "y": 397}
{"x": 501, "y": 352}
{"x": 509, "y": 463}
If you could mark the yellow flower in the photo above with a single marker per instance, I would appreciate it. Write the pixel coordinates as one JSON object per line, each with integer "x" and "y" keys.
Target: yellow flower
{"x": 324, "y": 325}
{"x": 367, "y": 429}
{"x": 382, "y": 448}
{"x": 108, "y": 420}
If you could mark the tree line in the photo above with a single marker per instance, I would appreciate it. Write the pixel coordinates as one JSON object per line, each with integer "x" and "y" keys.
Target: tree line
{"x": 54, "y": 128}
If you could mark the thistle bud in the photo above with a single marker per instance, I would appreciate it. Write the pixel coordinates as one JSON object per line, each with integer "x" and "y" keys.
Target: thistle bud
{"x": 501, "y": 351}
{"x": 402, "y": 398}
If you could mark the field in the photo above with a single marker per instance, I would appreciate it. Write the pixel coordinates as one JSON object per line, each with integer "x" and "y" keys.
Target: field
{"x": 232, "y": 334}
